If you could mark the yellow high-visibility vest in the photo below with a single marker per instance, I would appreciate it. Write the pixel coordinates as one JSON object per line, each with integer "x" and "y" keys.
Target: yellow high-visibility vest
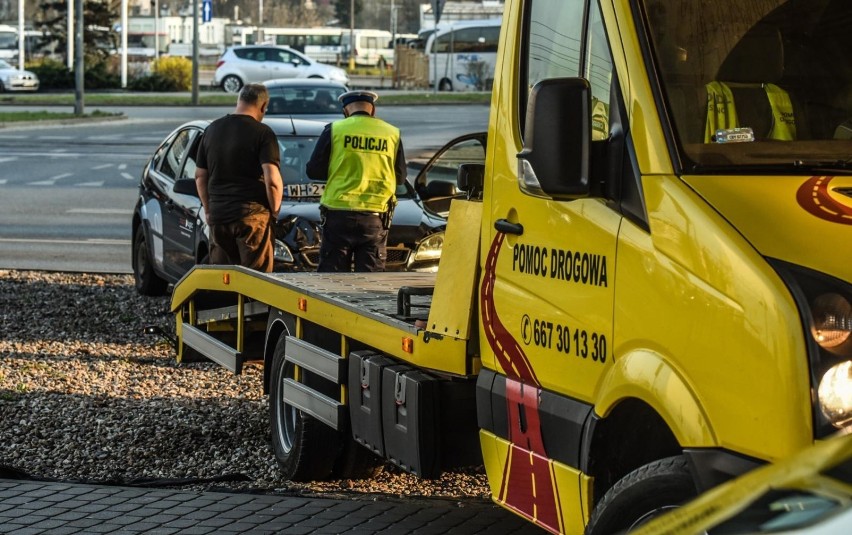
{"x": 361, "y": 173}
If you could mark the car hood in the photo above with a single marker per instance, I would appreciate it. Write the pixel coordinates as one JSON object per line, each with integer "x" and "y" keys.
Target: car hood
{"x": 801, "y": 220}
{"x": 411, "y": 222}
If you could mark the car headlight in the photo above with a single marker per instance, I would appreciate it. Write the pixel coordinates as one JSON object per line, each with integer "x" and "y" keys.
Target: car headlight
{"x": 429, "y": 248}
{"x": 282, "y": 253}
{"x": 826, "y": 312}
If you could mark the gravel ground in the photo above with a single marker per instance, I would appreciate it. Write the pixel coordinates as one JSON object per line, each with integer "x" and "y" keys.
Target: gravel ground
{"x": 87, "y": 396}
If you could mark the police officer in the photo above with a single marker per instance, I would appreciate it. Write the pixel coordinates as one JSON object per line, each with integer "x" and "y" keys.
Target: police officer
{"x": 361, "y": 160}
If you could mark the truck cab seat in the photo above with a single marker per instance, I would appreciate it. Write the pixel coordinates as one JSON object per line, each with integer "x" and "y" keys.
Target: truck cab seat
{"x": 745, "y": 92}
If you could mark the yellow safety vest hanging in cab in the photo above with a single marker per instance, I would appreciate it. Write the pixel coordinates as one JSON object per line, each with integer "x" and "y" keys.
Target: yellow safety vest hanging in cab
{"x": 722, "y": 112}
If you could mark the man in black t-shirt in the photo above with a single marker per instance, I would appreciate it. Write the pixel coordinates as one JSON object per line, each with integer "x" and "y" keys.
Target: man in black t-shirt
{"x": 239, "y": 183}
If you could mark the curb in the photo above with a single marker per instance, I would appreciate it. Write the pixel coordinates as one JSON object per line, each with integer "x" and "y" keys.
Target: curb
{"x": 60, "y": 122}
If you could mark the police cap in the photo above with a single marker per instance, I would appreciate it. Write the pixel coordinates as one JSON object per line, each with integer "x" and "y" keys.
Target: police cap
{"x": 357, "y": 96}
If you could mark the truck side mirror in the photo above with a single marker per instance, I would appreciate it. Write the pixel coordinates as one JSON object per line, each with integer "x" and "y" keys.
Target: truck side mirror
{"x": 556, "y": 156}
{"x": 471, "y": 178}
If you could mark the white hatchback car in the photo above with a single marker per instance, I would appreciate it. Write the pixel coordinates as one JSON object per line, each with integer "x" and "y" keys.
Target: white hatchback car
{"x": 12, "y": 79}
{"x": 240, "y": 65}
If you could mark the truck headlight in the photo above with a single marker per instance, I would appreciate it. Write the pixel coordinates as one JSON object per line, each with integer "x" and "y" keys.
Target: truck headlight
{"x": 832, "y": 320}
{"x": 282, "y": 253}
{"x": 429, "y": 248}
{"x": 824, "y": 307}
{"x": 835, "y": 394}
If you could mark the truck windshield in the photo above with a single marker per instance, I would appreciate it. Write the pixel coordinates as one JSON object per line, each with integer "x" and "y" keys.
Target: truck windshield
{"x": 762, "y": 84}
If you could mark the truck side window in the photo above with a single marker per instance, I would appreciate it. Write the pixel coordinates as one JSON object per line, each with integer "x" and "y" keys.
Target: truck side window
{"x": 555, "y": 38}
{"x": 598, "y": 71}
{"x": 556, "y": 49}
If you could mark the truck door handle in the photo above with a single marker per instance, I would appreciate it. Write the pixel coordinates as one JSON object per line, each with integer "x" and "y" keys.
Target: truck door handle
{"x": 506, "y": 227}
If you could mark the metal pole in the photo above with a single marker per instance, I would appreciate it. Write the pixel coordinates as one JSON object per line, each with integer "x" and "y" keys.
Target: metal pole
{"x": 351, "y": 35}
{"x": 393, "y": 40}
{"x": 156, "y": 30}
{"x": 69, "y": 37}
{"x": 22, "y": 37}
{"x": 123, "y": 44}
{"x": 78, "y": 58}
{"x": 195, "y": 52}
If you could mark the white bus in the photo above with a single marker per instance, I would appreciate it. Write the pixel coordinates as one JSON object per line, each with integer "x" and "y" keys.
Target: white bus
{"x": 371, "y": 47}
{"x": 462, "y": 55}
{"x": 8, "y": 43}
{"x": 321, "y": 44}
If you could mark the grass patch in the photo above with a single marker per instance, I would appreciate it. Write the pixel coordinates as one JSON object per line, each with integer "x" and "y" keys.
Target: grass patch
{"x": 388, "y": 97}
{"x": 29, "y": 116}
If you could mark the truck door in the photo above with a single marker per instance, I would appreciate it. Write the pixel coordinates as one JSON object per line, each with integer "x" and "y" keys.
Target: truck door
{"x": 549, "y": 272}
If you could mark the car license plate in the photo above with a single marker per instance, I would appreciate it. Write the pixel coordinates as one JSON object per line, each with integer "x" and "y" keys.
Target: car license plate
{"x": 304, "y": 190}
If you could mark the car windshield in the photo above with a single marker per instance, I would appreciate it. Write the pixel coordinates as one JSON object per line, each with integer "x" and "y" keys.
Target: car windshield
{"x": 304, "y": 100}
{"x": 756, "y": 85}
{"x": 4, "y": 65}
{"x": 295, "y": 153}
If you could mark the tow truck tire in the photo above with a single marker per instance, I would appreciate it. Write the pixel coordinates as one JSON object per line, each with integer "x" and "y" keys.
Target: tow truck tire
{"x": 643, "y": 494}
{"x": 305, "y": 448}
{"x": 357, "y": 462}
{"x": 146, "y": 279}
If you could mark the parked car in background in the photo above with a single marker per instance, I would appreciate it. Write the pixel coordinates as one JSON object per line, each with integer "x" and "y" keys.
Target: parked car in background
{"x": 169, "y": 233}
{"x": 305, "y": 98}
{"x": 13, "y": 79}
{"x": 241, "y": 65}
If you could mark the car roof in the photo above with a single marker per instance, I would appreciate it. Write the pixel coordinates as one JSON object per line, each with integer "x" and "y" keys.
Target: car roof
{"x": 287, "y": 126}
{"x": 302, "y": 82}
{"x": 282, "y": 125}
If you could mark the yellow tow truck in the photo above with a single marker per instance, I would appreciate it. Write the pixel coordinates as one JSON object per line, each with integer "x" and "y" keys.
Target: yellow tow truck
{"x": 644, "y": 292}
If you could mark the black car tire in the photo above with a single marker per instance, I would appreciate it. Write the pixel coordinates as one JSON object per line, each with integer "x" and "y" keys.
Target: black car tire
{"x": 232, "y": 84}
{"x": 305, "y": 448}
{"x": 146, "y": 279}
{"x": 643, "y": 494}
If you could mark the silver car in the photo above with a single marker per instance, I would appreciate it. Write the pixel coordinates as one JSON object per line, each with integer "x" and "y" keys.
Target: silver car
{"x": 12, "y": 79}
{"x": 240, "y": 65}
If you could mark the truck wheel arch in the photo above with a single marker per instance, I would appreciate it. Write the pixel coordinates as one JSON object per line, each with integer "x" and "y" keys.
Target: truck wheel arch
{"x": 640, "y": 396}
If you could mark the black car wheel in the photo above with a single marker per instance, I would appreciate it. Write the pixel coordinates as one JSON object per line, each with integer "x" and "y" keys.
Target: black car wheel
{"x": 306, "y": 449}
{"x": 147, "y": 281}
{"x": 232, "y": 84}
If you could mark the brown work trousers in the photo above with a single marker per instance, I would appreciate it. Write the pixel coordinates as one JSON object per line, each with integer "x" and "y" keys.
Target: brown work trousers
{"x": 247, "y": 242}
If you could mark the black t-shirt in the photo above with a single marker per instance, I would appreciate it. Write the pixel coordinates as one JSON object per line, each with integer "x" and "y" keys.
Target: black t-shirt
{"x": 232, "y": 149}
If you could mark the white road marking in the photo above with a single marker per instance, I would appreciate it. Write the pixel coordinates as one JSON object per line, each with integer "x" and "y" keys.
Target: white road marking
{"x": 3, "y": 181}
{"x": 58, "y": 138}
{"x": 90, "y": 241}
{"x": 92, "y": 184}
{"x": 122, "y": 166}
{"x": 58, "y": 177}
{"x": 42, "y": 183}
{"x": 104, "y": 166}
{"x": 7, "y": 160}
{"x": 128, "y": 176}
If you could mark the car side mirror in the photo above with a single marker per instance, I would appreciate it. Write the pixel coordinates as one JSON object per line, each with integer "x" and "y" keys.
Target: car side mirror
{"x": 439, "y": 188}
{"x": 556, "y": 156}
{"x": 186, "y": 186}
{"x": 471, "y": 178}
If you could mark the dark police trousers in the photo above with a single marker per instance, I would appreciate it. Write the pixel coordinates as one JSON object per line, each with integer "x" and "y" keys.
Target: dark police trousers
{"x": 350, "y": 237}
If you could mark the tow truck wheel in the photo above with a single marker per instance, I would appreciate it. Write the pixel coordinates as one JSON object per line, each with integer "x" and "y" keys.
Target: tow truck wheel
{"x": 147, "y": 281}
{"x": 357, "y": 462}
{"x": 643, "y": 494}
{"x": 305, "y": 448}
